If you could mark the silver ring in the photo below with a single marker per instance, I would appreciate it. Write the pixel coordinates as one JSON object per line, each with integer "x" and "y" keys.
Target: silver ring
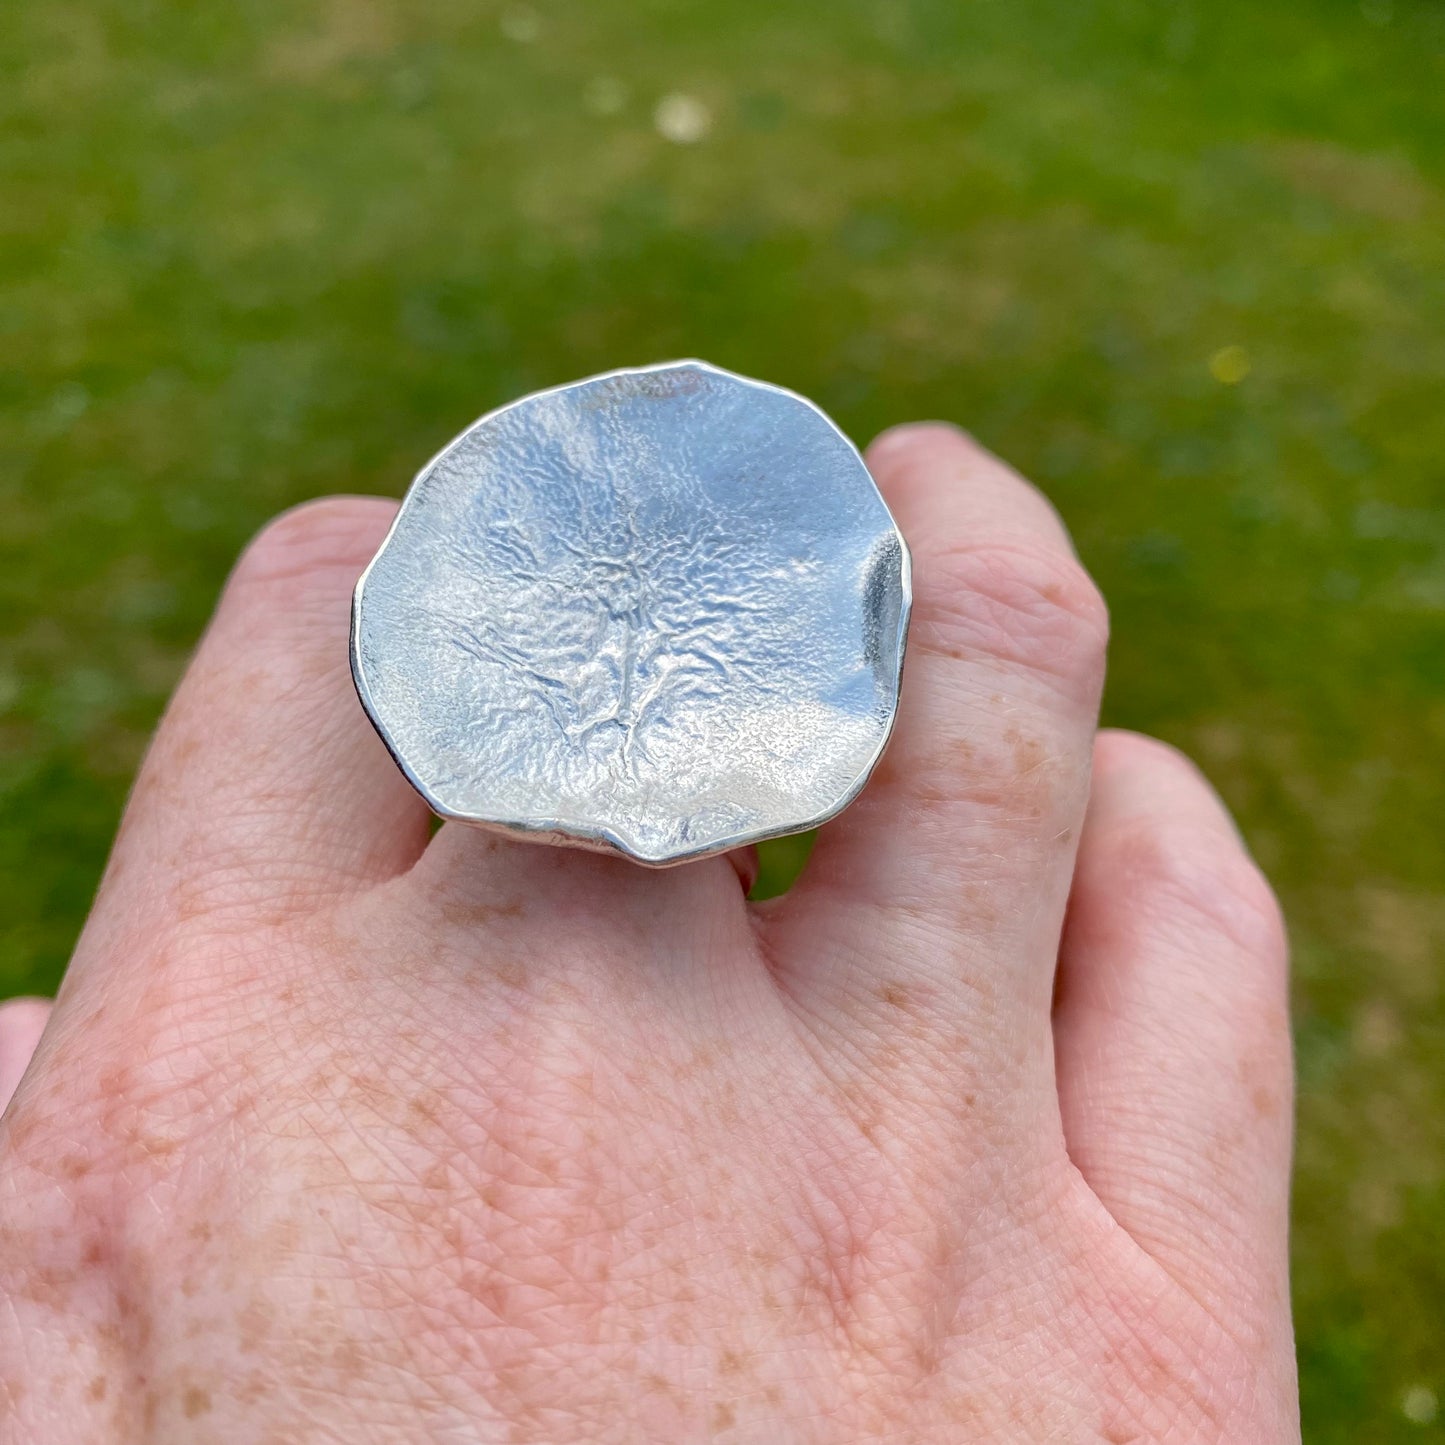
{"x": 659, "y": 612}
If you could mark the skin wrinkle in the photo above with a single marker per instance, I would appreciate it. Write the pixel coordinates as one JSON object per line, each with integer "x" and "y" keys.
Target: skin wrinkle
{"x": 1031, "y": 609}
{"x": 965, "y": 756}
{"x": 1164, "y": 1376}
{"x": 852, "y": 1074}
{"x": 1239, "y": 1359}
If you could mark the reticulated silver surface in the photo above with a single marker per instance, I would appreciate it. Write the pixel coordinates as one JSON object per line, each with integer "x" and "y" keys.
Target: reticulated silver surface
{"x": 660, "y": 611}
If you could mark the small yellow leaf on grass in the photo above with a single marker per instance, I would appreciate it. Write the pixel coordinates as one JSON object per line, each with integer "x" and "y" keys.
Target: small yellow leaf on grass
{"x": 682, "y": 119}
{"x": 1229, "y": 365}
{"x": 1419, "y": 1405}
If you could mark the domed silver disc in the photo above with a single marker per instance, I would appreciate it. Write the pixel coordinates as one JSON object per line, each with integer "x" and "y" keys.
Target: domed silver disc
{"x": 660, "y": 612}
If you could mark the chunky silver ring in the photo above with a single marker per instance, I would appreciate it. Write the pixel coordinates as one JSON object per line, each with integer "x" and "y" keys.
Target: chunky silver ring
{"x": 659, "y": 612}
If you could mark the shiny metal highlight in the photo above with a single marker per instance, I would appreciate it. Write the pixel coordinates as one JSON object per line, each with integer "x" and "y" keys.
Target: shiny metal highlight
{"x": 660, "y": 612}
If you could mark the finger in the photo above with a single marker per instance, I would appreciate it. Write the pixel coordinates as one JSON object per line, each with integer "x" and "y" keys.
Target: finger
{"x": 22, "y": 1021}
{"x": 1171, "y": 1025}
{"x": 942, "y": 889}
{"x": 266, "y": 790}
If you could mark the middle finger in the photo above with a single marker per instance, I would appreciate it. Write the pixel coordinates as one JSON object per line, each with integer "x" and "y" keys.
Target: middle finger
{"x": 936, "y": 902}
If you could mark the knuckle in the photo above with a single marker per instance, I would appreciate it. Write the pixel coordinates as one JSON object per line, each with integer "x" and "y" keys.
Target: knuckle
{"x": 1125, "y": 751}
{"x": 913, "y": 461}
{"x": 1206, "y": 876}
{"x": 312, "y": 542}
{"x": 913, "y": 450}
{"x": 1028, "y": 604}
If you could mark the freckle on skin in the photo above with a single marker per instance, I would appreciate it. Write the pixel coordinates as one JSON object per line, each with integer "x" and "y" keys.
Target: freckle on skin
{"x": 347, "y": 1360}
{"x": 491, "y": 1294}
{"x": 50, "y": 1287}
{"x": 705, "y": 1057}
{"x": 466, "y": 915}
{"x": 196, "y": 1402}
{"x": 183, "y": 750}
{"x": 510, "y": 974}
{"x": 424, "y": 1105}
{"x": 978, "y": 911}
{"x": 286, "y": 1236}
{"x": 723, "y": 1416}
{"x": 98, "y": 1387}
{"x": 926, "y": 1360}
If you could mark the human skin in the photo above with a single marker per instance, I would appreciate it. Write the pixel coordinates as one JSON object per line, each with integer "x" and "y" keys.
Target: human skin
{"x": 341, "y": 1132}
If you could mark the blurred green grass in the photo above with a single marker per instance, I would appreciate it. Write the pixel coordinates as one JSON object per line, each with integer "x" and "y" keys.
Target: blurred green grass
{"x": 1182, "y": 262}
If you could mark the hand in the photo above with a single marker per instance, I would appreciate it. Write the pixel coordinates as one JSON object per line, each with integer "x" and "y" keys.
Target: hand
{"x": 340, "y": 1134}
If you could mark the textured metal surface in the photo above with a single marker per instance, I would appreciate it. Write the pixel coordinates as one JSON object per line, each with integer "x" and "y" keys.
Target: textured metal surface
{"x": 660, "y": 611}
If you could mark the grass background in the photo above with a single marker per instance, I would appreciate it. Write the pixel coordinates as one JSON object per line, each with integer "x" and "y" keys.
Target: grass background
{"x": 1182, "y": 261}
